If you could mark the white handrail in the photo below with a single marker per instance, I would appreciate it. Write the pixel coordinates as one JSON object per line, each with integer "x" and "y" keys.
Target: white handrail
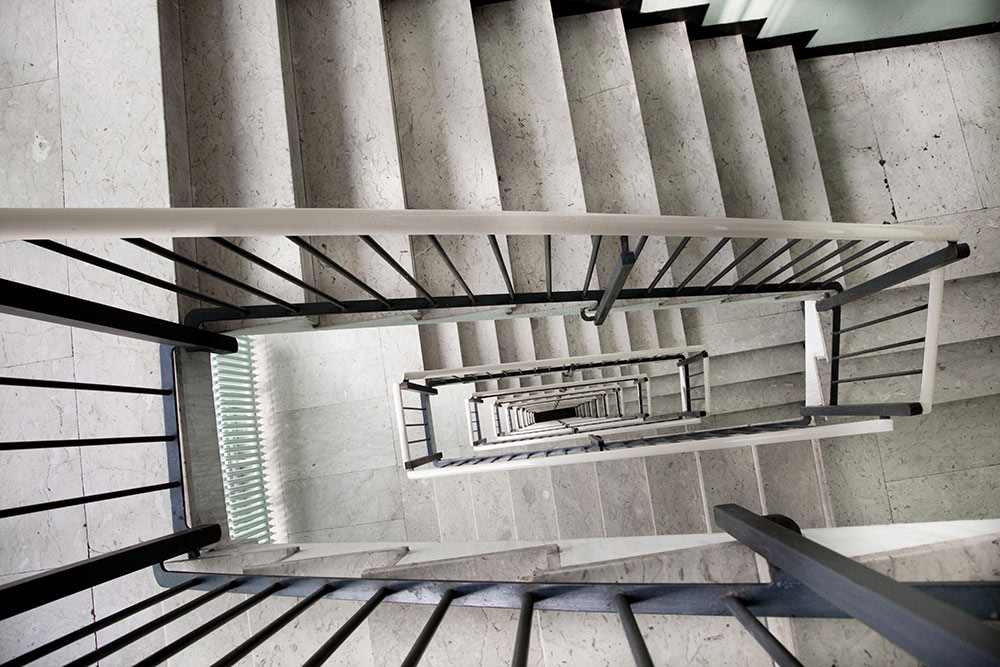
{"x": 48, "y": 223}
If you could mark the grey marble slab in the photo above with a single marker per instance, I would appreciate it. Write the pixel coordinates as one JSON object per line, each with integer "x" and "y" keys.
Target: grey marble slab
{"x": 846, "y": 145}
{"x": 789, "y": 135}
{"x": 533, "y": 499}
{"x": 31, "y": 145}
{"x": 117, "y": 594}
{"x": 607, "y": 121}
{"x": 592, "y": 640}
{"x": 478, "y": 635}
{"x": 456, "y": 516}
{"x": 675, "y": 492}
{"x": 730, "y": 477}
{"x": 790, "y": 482}
{"x": 363, "y": 497}
{"x": 224, "y": 639}
{"x": 493, "y": 507}
{"x": 717, "y": 563}
{"x": 28, "y": 43}
{"x": 23, "y": 340}
{"x": 919, "y": 132}
{"x": 625, "y": 498}
{"x": 393, "y": 530}
{"x": 347, "y": 129}
{"x": 677, "y": 134}
{"x": 37, "y": 627}
{"x": 114, "y": 145}
{"x": 953, "y": 436}
{"x": 578, "y": 501}
{"x": 237, "y": 119}
{"x": 856, "y": 481}
{"x": 962, "y": 494}
{"x": 528, "y": 108}
{"x": 972, "y": 65}
{"x": 420, "y": 514}
{"x": 853, "y": 642}
{"x": 298, "y": 640}
{"x": 334, "y": 438}
{"x": 738, "y": 141}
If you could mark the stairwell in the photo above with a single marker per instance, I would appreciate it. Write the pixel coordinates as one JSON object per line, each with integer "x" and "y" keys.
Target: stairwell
{"x": 437, "y": 105}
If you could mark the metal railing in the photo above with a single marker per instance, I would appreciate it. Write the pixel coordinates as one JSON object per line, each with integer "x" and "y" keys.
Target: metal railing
{"x": 939, "y": 623}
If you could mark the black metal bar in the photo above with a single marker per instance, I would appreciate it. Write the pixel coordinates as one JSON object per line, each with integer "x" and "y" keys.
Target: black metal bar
{"x": 879, "y": 320}
{"x": 623, "y": 267}
{"x": 427, "y": 632}
{"x": 155, "y": 624}
{"x": 777, "y": 253}
{"x": 451, "y": 267}
{"x": 837, "y": 251}
{"x": 202, "y": 315}
{"x": 131, "y": 273}
{"x": 85, "y": 442}
{"x": 595, "y": 246}
{"x": 898, "y": 246}
{"x": 34, "y": 591}
{"x": 338, "y": 638}
{"x": 687, "y": 361}
{"x": 863, "y": 410}
{"x": 205, "y": 629}
{"x": 671, "y": 258}
{"x": 793, "y": 262}
{"x": 880, "y": 376}
{"x": 40, "y": 304}
{"x": 880, "y": 348}
{"x": 835, "y": 364}
{"x": 351, "y": 278}
{"x": 272, "y": 628}
{"x": 781, "y": 655}
{"x": 413, "y": 386}
{"x": 281, "y": 273}
{"x": 92, "y": 628}
{"x": 478, "y": 377}
{"x": 495, "y": 245}
{"x": 640, "y": 653}
{"x": 422, "y": 460}
{"x": 732, "y": 265}
{"x": 932, "y": 631}
{"x": 207, "y": 270}
{"x": 83, "y": 500}
{"x": 953, "y": 253}
{"x": 704, "y": 261}
{"x": 522, "y": 641}
{"x": 387, "y": 258}
{"x": 82, "y": 386}
{"x": 843, "y": 262}
{"x": 548, "y": 266}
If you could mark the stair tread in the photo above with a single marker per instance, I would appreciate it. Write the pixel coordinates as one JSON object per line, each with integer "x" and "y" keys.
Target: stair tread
{"x": 738, "y": 142}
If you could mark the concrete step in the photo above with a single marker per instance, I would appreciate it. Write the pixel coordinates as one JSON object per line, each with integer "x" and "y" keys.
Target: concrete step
{"x": 515, "y": 342}
{"x": 237, "y": 151}
{"x": 431, "y": 47}
{"x": 507, "y": 565}
{"x": 532, "y": 133}
{"x": 790, "y": 144}
{"x": 677, "y": 135}
{"x": 344, "y": 101}
{"x": 728, "y": 562}
{"x": 738, "y": 142}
